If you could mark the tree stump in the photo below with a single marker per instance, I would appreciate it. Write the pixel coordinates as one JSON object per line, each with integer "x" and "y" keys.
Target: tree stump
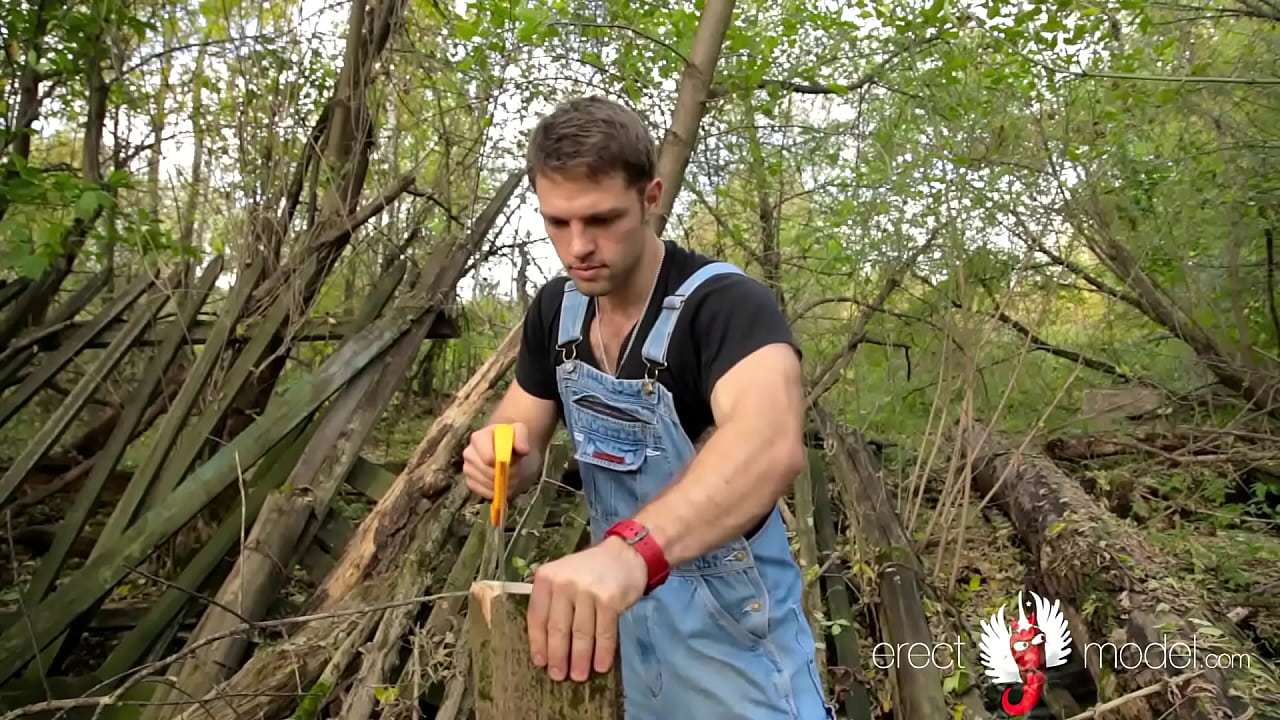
{"x": 507, "y": 683}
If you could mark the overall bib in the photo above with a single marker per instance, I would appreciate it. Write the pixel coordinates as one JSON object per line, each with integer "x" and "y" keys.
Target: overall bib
{"x": 725, "y": 637}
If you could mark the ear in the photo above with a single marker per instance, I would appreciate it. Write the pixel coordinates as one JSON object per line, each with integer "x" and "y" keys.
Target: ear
{"x": 652, "y": 195}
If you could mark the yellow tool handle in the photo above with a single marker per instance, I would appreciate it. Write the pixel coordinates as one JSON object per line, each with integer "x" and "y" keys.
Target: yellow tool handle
{"x": 503, "y": 439}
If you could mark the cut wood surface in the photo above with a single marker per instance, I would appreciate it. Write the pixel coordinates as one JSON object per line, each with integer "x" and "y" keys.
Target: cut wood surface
{"x": 1088, "y": 558}
{"x": 507, "y": 683}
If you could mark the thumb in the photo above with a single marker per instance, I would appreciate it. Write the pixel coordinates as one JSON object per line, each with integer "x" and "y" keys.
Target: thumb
{"x": 520, "y": 438}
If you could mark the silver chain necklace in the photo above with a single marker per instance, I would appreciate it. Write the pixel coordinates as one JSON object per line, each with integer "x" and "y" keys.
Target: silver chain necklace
{"x": 635, "y": 330}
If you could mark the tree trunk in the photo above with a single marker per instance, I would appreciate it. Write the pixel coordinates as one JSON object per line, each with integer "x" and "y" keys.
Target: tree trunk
{"x": 1088, "y": 558}
{"x": 507, "y": 684}
{"x": 682, "y": 136}
{"x": 1261, "y": 388}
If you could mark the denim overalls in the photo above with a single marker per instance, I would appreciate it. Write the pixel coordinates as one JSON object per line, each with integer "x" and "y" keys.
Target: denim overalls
{"x": 725, "y": 638}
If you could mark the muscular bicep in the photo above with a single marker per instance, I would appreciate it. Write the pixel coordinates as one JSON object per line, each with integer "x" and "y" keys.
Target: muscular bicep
{"x": 538, "y": 414}
{"x": 765, "y": 389}
{"x": 733, "y": 320}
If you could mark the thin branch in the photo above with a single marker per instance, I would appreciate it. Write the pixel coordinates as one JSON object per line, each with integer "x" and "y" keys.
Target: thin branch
{"x": 102, "y": 701}
{"x": 620, "y": 26}
{"x": 1039, "y": 343}
{"x": 1096, "y": 710}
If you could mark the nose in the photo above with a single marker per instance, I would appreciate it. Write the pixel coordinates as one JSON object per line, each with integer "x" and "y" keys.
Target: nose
{"x": 582, "y": 243}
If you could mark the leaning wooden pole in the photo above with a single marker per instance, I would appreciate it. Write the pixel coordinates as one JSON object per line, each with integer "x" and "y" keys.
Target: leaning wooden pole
{"x": 507, "y": 683}
{"x": 899, "y": 606}
{"x": 82, "y": 590}
{"x": 380, "y": 564}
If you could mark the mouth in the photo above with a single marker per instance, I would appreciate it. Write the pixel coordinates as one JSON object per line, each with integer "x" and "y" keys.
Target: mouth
{"x": 586, "y": 272}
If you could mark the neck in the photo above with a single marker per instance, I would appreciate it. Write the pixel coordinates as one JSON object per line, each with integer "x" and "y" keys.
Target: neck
{"x": 631, "y": 297}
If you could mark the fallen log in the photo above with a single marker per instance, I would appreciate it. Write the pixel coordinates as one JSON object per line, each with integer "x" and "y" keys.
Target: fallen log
{"x": 384, "y": 561}
{"x": 1088, "y": 558}
{"x": 1093, "y": 446}
{"x": 507, "y": 683}
{"x": 901, "y": 614}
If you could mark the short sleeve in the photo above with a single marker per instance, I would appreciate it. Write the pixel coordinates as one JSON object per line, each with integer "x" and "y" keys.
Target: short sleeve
{"x": 735, "y": 316}
{"x": 534, "y": 371}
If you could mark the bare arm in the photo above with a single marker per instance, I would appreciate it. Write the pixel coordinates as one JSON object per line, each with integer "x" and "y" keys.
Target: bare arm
{"x": 751, "y": 459}
{"x": 539, "y": 417}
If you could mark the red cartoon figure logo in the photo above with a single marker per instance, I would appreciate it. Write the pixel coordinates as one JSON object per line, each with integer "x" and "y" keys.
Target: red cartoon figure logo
{"x": 1022, "y": 653}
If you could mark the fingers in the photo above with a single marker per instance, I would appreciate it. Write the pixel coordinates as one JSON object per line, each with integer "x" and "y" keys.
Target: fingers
{"x": 606, "y": 641}
{"x": 477, "y": 463}
{"x": 582, "y": 642}
{"x": 520, "y": 438}
{"x": 573, "y": 615}
{"x": 536, "y": 618}
{"x": 560, "y": 625}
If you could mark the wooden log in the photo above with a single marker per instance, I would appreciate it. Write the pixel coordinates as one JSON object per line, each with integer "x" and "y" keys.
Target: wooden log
{"x": 917, "y": 690}
{"x": 1079, "y": 448}
{"x": 848, "y": 687}
{"x": 318, "y": 328}
{"x": 307, "y": 488}
{"x": 507, "y": 683}
{"x": 83, "y": 589}
{"x": 411, "y": 520}
{"x": 1087, "y": 557}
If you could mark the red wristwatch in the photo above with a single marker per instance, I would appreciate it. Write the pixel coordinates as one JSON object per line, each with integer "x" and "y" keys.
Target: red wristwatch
{"x": 638, "y": 537}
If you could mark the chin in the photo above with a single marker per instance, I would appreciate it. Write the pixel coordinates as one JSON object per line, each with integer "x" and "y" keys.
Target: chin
{"x": 593, "y": 288}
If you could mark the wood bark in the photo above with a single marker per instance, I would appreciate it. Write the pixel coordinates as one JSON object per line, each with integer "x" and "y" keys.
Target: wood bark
{"x": 507, "y": 683}
{"x": 682, "y": 135}
{"x": 1087, "y": 557}
{"x": 411, "y": 520}
{"x": 903, "y": 621}
{"x": 265, "y": 563}
{"x": 1080, "y": 448}
{"x": 83, "y": 589}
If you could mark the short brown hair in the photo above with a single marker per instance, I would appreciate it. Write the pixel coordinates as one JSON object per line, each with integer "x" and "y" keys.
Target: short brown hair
{"x": 595, "y": 136}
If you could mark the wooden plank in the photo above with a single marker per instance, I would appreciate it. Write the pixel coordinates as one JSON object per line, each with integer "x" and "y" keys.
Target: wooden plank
{"x": 370, "y": 478}
{"x": 334, "y": 533}
{"x": 856, "y": 697}
{"x": 507, "y": 684}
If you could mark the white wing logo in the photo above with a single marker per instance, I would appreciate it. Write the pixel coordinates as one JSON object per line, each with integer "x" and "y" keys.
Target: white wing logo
{"x": 995, "y": 643}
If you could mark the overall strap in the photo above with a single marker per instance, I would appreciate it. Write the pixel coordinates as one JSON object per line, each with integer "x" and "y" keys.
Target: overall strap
{"x": 573, "y": 311}
{"x": 655, "y": 346}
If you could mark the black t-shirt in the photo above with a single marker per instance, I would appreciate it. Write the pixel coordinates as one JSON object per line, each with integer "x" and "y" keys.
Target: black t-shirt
{"x": 726, "y": 318}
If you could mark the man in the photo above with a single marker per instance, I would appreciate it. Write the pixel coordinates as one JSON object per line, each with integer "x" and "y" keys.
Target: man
{"x": 643, "y": 346}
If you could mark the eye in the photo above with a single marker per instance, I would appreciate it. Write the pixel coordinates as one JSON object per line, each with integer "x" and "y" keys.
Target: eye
{"x": 1038, "y": 639}
{"x": 602, "y": 220}
{"x": 1021, "y": 645}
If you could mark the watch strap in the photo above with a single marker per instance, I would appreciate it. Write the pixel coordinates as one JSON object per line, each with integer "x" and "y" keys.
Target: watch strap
{"x": 639, "y": 538}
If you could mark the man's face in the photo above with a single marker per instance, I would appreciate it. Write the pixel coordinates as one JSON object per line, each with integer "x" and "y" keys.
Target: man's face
{"x": 598, "y": 227}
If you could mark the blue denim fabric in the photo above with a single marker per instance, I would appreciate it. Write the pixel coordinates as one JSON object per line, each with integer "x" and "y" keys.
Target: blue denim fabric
{"x": 725, "y": 638}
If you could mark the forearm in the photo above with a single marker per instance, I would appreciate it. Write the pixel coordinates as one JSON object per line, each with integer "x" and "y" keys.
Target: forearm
{"x": 732, "y": 482}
